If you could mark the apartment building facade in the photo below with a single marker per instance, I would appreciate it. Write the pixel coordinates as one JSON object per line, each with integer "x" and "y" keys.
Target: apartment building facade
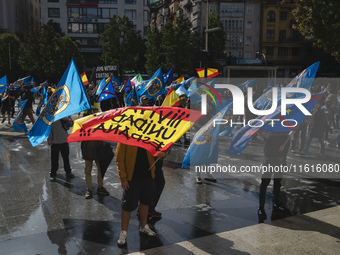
{"x": 18, "y": 15}
{"x": 281, "y": 44}
{"x": 84, "y": 20}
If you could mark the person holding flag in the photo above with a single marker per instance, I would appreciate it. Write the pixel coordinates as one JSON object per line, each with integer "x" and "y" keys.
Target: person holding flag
{"x": 275, "y": 154}
{"x": 136, "y": 168}
{"x": 27, "y": 111}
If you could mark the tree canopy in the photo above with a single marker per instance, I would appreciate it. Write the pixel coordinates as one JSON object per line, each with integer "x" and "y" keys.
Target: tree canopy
{"x": 319, "y": 22}
{"x": 46, "y": 54}
{"x": 121, "y": 44}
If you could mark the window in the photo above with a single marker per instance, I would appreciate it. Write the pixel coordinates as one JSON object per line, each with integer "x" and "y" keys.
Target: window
{"x": 270, "y": 33}
{"x": 91, "y": 13}
{"x": 53, "y": 12}
{"x": 283, "y": 51}
{"x": 130, "y": 1}
{"x": 248, "y": 55}
{"x": 212, "y": 8}
{"x": 282, "y": 35}
{"x": 270, "y": 51}
{"x": 146, "y": 16}
{"x": 248, "y": 40}
{"x": 250, "y": 9}
{"x": 283, "y": 15}
{"x": 109, "y": 13}
{"x": 271, "y": 16}
{"x": 130, "y": 14}
{"x": 249, "y": 24}
{"x": 295, "y": 52}
{"x": 107, "y": 1}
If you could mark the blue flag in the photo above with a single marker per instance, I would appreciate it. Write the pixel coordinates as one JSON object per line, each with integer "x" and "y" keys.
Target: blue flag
{"x": 3, "y": 85}
{"x": 154, "y": 87}
{"x": 181, "y": 90}
{"x": 127, "y": 86}
{"x": 100, "y": 87}
{"x": 188, "y": 82}
{"x": 107, "y": 93}
{"x": 43, "y": 100}
{"x": 192, "y": 87}
{"x": 24, "y": 80}
{"x": 302, "y": 80}
{"x": 204, "y": 147}
{"x": 285, "y": 124}
{"x": 132, "y": 98}
{"x": 169, "y": 76}
{"x": 18, "y": 123}
{"x": 243, "y": 86}
{"x": 68, "y": 98}
{"x": 115, "y": 81}
{"x": 270, "y": 85}
{"x": 35, "y": 89}
{"x": 195, "y": 95}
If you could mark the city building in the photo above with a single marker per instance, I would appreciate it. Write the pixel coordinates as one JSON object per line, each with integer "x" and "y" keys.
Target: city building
{"x": 84, "y": 20}
{"x": 18, "y": 15}
{"x": 281, "y": 45}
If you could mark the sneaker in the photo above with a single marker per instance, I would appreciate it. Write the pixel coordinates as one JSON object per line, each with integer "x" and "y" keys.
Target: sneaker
{"x": 103, "y": 191}
{"x": 122, "y": 238}
{"x": 52, "y": 179}
{"x": 198, "y": 180}
{"x": 3, "y": 121}
{"x": 147, "y": 231}
{"x": 210, "y": 179}
{"x": 261, "y": 214}
{"x": 154, "y": 213}
{"x": 70, "y": 175}
{"x": 88, "y": 194}
{"x": 9, "y": 122}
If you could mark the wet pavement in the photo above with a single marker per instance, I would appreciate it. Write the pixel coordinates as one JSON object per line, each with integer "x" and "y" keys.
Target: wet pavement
{"x": 40, "y": 217}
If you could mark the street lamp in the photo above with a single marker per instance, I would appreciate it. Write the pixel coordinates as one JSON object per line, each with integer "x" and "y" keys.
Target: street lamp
{"x": 264, "y": 57}
{"x": 208, "y": 30}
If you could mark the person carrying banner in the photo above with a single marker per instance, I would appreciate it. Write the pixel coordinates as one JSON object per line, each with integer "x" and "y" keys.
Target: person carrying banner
{"x": 92, "y": 151}
{"x": 275, "y": 150}
{"x": 58, "y": 142}
{"x": 136, "y": 170}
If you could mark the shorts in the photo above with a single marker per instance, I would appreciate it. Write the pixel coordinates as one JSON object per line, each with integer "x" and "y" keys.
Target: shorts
{"x": 5, "y": 108}
{"x": 140, "y": 190}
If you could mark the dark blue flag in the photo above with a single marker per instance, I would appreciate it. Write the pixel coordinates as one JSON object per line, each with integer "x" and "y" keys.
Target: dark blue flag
{"x": 289, "y": 122}
{"x": 68, "y": 98}
{"x": 18, "y": 123}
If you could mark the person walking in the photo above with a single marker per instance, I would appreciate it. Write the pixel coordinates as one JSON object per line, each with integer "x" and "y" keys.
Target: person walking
{"x": 58, "y": 142}
{"x": 136, "y": 172}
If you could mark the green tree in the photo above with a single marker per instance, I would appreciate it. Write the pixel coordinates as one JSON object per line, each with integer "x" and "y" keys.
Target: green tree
{"x": 152, "y": 52}
{"x": 216, "y": 39}
{"x": 9, "y": 55}
{"x": 178, "y": 47}
{"x": 46, "y": 54}
{"x": 120, "y": 44}
{"x": 319, "y": 22}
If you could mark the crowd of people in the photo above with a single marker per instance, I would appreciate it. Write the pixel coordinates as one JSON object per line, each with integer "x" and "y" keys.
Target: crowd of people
{"x": 141, "y": 174}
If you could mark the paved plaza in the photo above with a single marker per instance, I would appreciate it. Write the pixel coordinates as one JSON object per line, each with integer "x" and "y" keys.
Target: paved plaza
{"x": 40, "y": 217}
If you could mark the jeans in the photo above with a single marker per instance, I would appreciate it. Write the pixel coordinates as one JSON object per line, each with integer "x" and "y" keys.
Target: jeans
{"x": 309, "y": 141}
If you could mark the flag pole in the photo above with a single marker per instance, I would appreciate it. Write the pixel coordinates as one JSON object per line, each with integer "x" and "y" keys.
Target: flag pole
{"x": 153, "y": 164}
